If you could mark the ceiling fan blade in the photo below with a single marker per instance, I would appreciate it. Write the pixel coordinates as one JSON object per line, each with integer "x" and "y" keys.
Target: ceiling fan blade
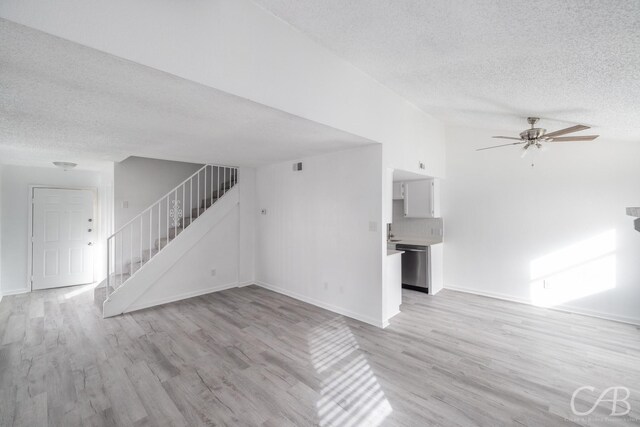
{"x": 574, "y": 138}
{"x": 502, "y": 145}
{"x": 572, "y": 129}
{"x": 507, "y": 137}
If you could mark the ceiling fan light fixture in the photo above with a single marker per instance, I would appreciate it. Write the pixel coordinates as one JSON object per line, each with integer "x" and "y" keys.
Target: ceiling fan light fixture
{"x": 538, "y": 136}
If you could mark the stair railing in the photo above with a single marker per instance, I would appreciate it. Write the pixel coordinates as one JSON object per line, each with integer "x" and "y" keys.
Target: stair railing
{"x": 161, "y": 222}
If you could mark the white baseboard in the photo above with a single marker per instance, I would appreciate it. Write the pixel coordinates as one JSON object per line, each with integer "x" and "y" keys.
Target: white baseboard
{"x": 317, "y": 303}
{"x": 247, "y": 283}
{"x": 391, "y": 316}
{"x": 563, "y": 308}
{"x": 179, "y": 297}
{"x": 14, "y": 292}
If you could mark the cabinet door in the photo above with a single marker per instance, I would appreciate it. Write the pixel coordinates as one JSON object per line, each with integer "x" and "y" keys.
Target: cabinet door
{"x": 435, "y": 198}
{"x": 398, "y": 191}
{"x": 418, "y": 202}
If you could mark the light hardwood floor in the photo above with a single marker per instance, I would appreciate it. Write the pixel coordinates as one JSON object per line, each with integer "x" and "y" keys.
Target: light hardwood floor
{"x": 249, "y": 356}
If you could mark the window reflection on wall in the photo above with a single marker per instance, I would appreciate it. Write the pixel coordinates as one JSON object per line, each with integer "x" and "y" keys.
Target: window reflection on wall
{"x": 576, "y": 271}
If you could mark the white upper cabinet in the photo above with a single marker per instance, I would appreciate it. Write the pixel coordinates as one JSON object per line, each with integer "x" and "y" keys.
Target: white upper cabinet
{"x": 398, "y": 190}
{"x": 419, "y": 199}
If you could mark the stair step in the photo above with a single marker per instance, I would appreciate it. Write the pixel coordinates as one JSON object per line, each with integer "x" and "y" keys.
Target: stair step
{"x": 100, "y": 291}
{"x": 147, "y": 254}
{"x": 136, "y": 263}
{"x": 208, "y": 202}
{"x": 100, "y": 294}
{"x": 196, "y": 212}
{"x": 163, "y": 241}
{"x": 116, "y": 281}
{"x": 215, "y": 196}
{"x": 174, "y": 231}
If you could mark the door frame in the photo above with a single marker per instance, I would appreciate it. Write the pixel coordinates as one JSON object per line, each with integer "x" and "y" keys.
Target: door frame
{"x": 96, "y": 215}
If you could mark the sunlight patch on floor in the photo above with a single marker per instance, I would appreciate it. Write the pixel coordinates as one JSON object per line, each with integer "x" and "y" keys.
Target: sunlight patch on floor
{"x": 351, "y": 394}
{"x": 80, "y": 290}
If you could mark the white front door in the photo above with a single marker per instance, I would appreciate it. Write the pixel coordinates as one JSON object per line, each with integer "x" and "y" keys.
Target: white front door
{"x": 63, "y": 231}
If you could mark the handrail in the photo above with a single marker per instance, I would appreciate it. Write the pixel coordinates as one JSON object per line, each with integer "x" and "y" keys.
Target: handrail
{"x": 166, "y": 195}
{"x": 170, "y": 214}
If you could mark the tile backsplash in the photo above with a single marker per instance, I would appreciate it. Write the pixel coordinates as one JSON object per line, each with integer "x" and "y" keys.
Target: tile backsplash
{"x": 414, "y": 227}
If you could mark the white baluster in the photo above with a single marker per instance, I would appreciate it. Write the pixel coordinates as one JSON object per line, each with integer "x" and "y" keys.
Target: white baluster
{"x": 159, "y": 221}
{"x": 140, "y": 248}
{"x": 121, "y": 256}
{"x": 115, "y": 242}
{"x": 131, "y": 248}
{"x": 150, "y": 233}
{"x": 184, "y": 186}
{"x": 106, "y": 291}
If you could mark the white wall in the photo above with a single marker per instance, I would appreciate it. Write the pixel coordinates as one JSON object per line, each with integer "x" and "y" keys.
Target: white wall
{"x": 15, "y": 217}
{"x": 511, "y": 226}
{"x": 420, "y": 228}
{"x": 247, "y": 226}
{"x": 264, "y": 59}
{"x": 315, "y": 242}
{"x": 238, "y": 47}
{"x": 216, "y": 248}
{"x": 1, "y": 233}
{"x": 105, "y": 218}
{"x": 141, "y": 182}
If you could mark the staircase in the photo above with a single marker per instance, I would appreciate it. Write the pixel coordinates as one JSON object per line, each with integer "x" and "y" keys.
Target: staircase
{"x": 135, "y": 245}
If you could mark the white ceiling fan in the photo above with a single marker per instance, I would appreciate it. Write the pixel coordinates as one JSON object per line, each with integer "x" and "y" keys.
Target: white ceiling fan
{"x": 537, "y": 137}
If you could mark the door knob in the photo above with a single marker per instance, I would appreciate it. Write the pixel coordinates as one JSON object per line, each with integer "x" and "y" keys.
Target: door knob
{"x": 90, "y": 243}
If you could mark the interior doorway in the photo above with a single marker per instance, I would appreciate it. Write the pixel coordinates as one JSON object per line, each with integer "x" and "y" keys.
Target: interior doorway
{"x": 63, "y": 233}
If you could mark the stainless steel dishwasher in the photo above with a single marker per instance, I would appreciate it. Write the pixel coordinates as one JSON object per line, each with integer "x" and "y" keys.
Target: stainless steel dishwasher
{"x": 416, "y": 267}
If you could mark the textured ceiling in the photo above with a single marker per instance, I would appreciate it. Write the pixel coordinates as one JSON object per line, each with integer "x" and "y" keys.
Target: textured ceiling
{"x": 63, "y": 101}
{"x": 491, "y": 63}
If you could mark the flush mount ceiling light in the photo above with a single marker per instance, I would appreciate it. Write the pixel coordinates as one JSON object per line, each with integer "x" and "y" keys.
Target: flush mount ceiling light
{"x": 65, "y": 165}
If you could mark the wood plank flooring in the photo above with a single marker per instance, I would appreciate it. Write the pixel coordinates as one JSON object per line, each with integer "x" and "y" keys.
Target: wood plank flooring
{"x": 252, "y": 357}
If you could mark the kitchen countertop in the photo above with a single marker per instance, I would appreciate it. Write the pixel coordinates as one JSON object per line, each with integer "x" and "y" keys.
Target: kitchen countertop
{"x": 412, "y": 241}
{"x": 393, "y": 252}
